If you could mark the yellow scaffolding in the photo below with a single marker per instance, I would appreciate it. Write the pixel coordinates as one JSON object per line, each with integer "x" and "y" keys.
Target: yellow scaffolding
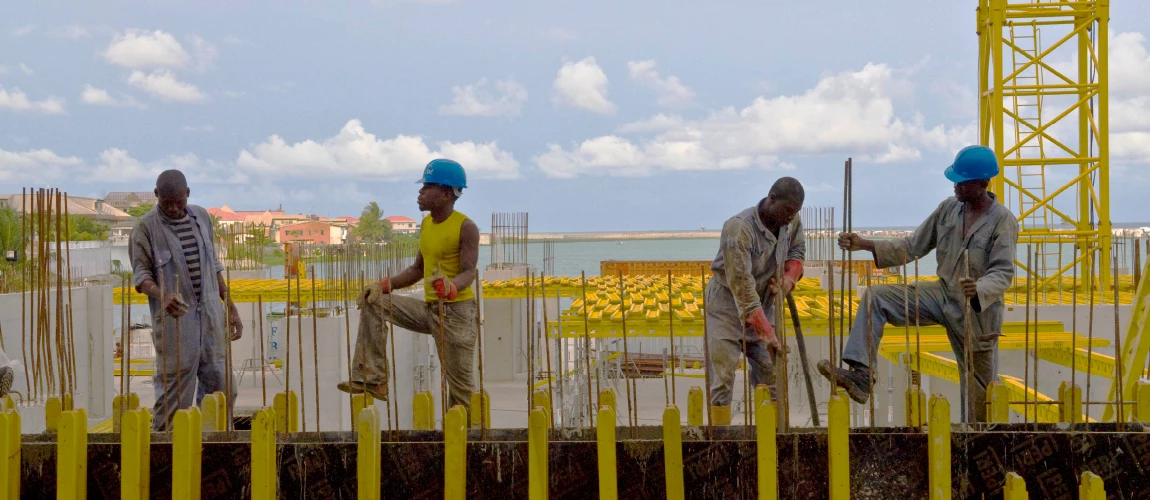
{"x": 1021, "y": 88}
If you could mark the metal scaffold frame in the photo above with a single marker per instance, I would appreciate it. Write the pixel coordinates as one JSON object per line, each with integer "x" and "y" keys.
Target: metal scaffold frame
{"x": 1021, "y": 88}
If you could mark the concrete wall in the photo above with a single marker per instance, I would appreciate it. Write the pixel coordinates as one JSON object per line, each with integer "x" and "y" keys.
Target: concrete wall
{"x": 94, "y": 349}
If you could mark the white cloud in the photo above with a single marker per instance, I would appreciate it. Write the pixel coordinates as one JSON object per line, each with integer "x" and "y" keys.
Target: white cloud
{"x": 205, "y": 52}
{"x": 143, "y": 49}
{"x": 476, "y": 100}
{"x": 163, "y": 84}
{"x": 27, "y": 71}
{"x": 583, "y": 85}
{"x": 100, "y": 97}
{"x": 116, "y": 166}
{"x": 38, "y": 165}
{"x": 356, "y": 153}
{"x": 1129, "y": 64}
{"x": 848, "y": 113}
{"x": 670, "y": 91}
{"x": 18, "y": 101}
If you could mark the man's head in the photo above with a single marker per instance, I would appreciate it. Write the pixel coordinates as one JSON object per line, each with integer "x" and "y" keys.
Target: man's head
{"x": 172, "y": 192}
{"x": 443, "y": 182}
{"x": 971, "y": 190}
{"x": 783, "y": 202}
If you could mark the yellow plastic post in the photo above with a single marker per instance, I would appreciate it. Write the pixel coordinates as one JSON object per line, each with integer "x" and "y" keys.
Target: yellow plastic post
{"x": 938, "y": 448}
{"x": 607, "y": 398}
{"x": 1091, "y": 487}
{"x": 695, "y": 406}
{"x": 133, "y": 402}
{"x": 135, "y": 454}
{"x": 264, "y": 460}
{"x": 999, "y": 398}
{"x": 673, "y": 453}
{"x": 762, "y": 393}
{"x": 361, "y": 401}
{"x": 214, "y": 410}
{"x": 66, "y": 400}
{"x": 838, "y": 445}
{"x": 767, "y": 449}
{"x": 7, "y": 403}
{"x": 286, "y": 409}
{"x": 915, "y": 406}
{"x": 368, "y": 455}
{"x": 538, "y": 461}
{"x": 605, "y": 441}
{"x": 541, "y": 401}
{"x": 1071, "y": 398}
{"x": 9, "y": 454}
{"x": 53, "y": 407}
{"x": 187, "y": 448}
{"x": 478, "y": 400}
{"x": 455, "y": 454}
{"x": 72, "y": 455}
{"x": 1142, "y": 396}
{"x": 423, "y": 412}
{"x": 1015, "y": 488}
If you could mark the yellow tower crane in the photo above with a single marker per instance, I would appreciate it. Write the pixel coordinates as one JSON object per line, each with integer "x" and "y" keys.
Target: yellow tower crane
{"x": 1029, "y": 98}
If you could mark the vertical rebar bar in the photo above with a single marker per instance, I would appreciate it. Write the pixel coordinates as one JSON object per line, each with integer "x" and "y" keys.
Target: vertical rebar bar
{"x": 587, "y": 350}
{"x": 671, "y": 332}
{"x": 315, "y": 347}
{"x": 263, "y": 356}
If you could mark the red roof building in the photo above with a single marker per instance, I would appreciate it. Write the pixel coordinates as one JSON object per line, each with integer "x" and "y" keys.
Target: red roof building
{"x": 403, "y": 225}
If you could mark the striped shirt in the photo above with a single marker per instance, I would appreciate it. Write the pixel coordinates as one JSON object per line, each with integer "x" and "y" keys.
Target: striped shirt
{"x": 186, "y": 230}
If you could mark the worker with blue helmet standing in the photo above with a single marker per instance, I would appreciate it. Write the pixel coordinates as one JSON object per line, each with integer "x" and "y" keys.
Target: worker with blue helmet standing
{"x": 973, "y": 223}
{"x": 446, "y": 263}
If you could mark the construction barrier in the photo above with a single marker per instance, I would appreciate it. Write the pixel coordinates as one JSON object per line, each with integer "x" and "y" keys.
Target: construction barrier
{"x": 265, "y": 466}
{"x": 136, "y": 454}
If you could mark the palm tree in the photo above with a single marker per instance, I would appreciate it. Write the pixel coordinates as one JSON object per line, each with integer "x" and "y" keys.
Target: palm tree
{"x": 11, "y": 238}
{"x": 372, "y": 226}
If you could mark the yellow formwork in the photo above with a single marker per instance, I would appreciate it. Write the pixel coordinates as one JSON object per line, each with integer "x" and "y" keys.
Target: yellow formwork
{"x": 10, "y": 444}
{"x": 135, "y": 454}
{"x": 265, "y": 466}
{"x": 368, "y": 454}
{"x": 606, "y": 448}
{"x": 455, "y": 454}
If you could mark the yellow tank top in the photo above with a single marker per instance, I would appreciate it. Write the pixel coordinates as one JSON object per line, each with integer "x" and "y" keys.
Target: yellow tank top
{"x": 439, "y": 245}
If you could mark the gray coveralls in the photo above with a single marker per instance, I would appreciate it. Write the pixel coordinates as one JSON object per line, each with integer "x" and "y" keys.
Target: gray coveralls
{"x": 990, "y": 247}
{"x": 156, "y": 254}
{"x": 749, "y": 255}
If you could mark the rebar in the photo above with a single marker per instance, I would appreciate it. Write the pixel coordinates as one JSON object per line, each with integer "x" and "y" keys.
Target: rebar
{"x": 626, "y": 351}
{"x": 263, "y": 356}
{"x": 671, "y": 332}
{"x": 587, "y": 351}
{"x": 299, "y": 343}
{"x": 967, "y": 325}
{"x": 479, "y": 335}
{"x": 315, "y": 347}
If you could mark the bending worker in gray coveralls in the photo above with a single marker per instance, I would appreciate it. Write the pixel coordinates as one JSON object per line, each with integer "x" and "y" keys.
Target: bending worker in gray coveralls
{"x": 753, "y": 246}
{"x": 971, "y": 221}
{"x": 174, "y": 263}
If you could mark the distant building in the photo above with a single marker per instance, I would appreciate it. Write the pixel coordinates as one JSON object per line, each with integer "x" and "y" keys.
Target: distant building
{"x": 124, "y": 200}
{"x": 313, "y": 232}
{"x": 403, "y": 225}
{"x": 119, "y": 222}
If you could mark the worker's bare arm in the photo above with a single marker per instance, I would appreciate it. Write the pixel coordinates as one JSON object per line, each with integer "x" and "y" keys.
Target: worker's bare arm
{"x": 468, "y": 254}
{"x": 852, "y": 242}
{"x": 234, "y": 321}
{"x": 409, "y": 276}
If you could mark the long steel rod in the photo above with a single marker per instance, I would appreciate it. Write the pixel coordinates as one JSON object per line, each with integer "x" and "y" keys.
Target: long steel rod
{"x": 671, "y": 332}
{"x": 315, "y": 347}
{"x": 263, "y": 355}
{"x": 479, "y": 342}
{"x": 299, "y": 341}
{"x": 587, "y": 351}
{"x": 1026, "y": 342}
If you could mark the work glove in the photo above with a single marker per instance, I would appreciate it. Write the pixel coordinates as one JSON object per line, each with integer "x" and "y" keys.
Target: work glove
{"x": 371, "y": 293}
{"x": 445, "y": 289}
{"x": 792, "y": 273}
{"x": 174, "y": 305}
{"x": 758, "y": 321}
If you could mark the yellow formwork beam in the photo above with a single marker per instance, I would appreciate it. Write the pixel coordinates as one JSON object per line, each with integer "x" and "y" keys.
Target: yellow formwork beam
{"x": 54, "y": 407}
{"x": 695, "y": 406}
{"x": 423, "y": 411}
{"x": 120, "y": 401}
{"x": 998, "y": 397}
{"x": 187, "y": 458}
{"x": 135, "y": 454}
{"x": 368, "y": 454}
{"x": 538, "y": 456}
{"x": 1142, "y": 397}
{"x": 938, "y": 448}
{"x": 608, "y": 398}
{"x": 286, "y": 406}
{"x": 606, "y": 448}
{"x": 481, "y": 409}
{"x": 9, "y": 454}
{"x": 915, "y": 406}
{"x": 838, "y": 446}
{"x": 673, "y": 453}
{"x": 1015, "y": 488}
{"x": 214, "y": 409}
{"x": 265, "y": 466}
{"x": 766, "y": 450}
{"x": 1090, "y": 487}
{"x": 361, "y": 401}
{"x": 1071, "y": 398}
{"x": 72, "y": 455}
{"x": 455, "y": 454}
{"x": 1135, "y": 347}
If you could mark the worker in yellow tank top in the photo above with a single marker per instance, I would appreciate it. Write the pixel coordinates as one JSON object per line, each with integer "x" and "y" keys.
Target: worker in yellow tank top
{"x": 446, "y": 263}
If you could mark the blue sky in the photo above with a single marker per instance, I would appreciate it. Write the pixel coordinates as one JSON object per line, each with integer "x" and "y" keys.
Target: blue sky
{"x": 614, "y": 115}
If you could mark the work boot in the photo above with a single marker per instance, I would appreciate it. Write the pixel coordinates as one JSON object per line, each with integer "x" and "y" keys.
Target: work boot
{"x": 377, "y": 391}
{"x": 855, "y": 380}
{"x": 6, "y": 375}
{"x": 720, "y": 415}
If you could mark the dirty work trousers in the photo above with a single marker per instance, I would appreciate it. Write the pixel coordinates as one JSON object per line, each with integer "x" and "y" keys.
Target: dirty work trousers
{"x": 728, "y": 338}
{"x": 201, "y": 362}
{"x": 887, "y": 306}
{"x": 456, "y": 347}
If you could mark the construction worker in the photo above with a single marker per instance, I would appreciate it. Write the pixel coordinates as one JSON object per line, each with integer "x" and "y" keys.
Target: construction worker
{"x": 173, "y": 263}
{"x": 448, "y": 254}
{"x": 753, "y": 247}
{"x": 970, "y": 223}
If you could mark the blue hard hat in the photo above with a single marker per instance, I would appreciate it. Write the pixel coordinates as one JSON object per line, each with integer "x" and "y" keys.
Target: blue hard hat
{"x": 445, "y": 173}
{"x": 973, "y": 162}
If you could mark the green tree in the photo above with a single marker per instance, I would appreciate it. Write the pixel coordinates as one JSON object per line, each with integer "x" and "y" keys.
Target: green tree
{"x": 85, "y": 229}
{"x": 372, "y": 226}
{"x": 139, "y": 210}
{"x": 11, "y": 237}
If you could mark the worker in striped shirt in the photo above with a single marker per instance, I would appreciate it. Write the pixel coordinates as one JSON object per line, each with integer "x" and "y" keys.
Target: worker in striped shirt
{"x": 174, "y": 263}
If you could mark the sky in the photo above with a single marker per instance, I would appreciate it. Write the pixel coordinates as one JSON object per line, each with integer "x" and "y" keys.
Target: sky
{"x": 590, "y": 116}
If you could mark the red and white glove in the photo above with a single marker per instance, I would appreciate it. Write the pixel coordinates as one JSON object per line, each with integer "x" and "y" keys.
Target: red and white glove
{"x": 758, "y": 321}
{"x": 792, "y": 273}
{"x": 371, "y": 293}
{"x": 445, "y": 289}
